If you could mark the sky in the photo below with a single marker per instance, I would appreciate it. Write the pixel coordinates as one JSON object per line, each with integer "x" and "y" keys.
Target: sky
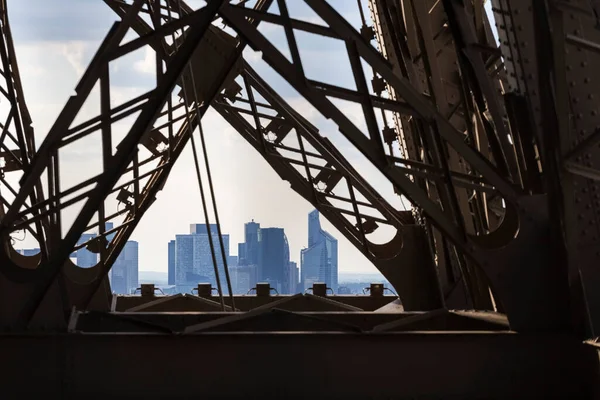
{"x": 54, "y": 43}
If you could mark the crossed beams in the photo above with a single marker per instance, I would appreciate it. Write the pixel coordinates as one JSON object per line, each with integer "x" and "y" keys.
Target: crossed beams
{"x": 17, "y": 139}
{"x": 371, "y": 146}
{"x": 148, "y": 105}
{"x": 424, "y": 112}
{"x": 410, "y": 102}
{"x": 317, "y": 174}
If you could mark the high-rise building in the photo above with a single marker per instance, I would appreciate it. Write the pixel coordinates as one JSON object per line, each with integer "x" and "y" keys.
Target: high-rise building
{"x": 85, "y": 258}
{"x": 171, "y": 268}
{"x": 242, "y": 253}
{"x": 124, "y": 271}
{"x": 319, "y": 262}
{"x": 232, "y": 261}
{"x": 29, "y": 252}
{"x": 193, "y": 257}
{"x": 274, "y": 259}
{"x": 293, "y": 277}
{"x": 184, "y": 260}
{"x": 252, "y": 235}
{"x": 243, "y": 278}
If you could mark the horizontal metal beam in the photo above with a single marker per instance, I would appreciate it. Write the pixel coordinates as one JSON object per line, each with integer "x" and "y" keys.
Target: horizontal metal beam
{"x": 348, "y": 366}
{"x": 286, "y": 318}
{"x": 247, "y": 303}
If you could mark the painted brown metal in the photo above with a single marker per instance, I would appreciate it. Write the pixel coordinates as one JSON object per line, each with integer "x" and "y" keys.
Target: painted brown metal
{"x": 446, "y": 91}
{"x": 318, "y": 365}
{"x": 498, "y": 153}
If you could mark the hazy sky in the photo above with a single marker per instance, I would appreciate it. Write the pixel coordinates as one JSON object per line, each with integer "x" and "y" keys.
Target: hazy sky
{"x": 55, "y": 41}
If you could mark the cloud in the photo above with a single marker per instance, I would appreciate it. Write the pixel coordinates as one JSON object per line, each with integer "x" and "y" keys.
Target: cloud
{"x": 148, "y": 64}
{"x": 65, "y": 20}
{"x": 76, "y": 54}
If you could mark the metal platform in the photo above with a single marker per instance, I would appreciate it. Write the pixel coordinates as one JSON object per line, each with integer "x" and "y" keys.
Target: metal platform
{"x": 328, "y": 365}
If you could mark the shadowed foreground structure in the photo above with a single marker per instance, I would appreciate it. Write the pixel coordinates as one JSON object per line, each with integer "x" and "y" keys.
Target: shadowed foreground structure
{"x": 493, "y": 146}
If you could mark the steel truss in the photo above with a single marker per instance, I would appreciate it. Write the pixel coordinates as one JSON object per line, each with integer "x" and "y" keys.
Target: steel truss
{"x": 559, "y": 96}
{"x": 122, "y": 167}
{"x": 448, "y": 163}
{"x": 17, "y": 139}
{"x": 315, "y": 168}
{"x": 510, "y": 271}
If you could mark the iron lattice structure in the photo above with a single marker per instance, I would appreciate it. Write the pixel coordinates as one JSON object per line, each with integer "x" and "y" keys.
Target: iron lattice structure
{"x": 494, "y": 147}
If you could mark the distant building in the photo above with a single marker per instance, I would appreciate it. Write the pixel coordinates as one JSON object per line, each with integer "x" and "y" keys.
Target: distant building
{"x": 293, "y": 277}
{"x": 274, "y": 260}
{"x": 85, "y": 258}
{"x": 319, "y": 262}
{"x": 193, "y": 257}
{"x": 241, "y": 253}
{"x": 243, "y": 278}
{"x": 171, "y": 265}
{"x": 232, "y": 261}
{"x": 252, "y": 235}
{"x": 125, "y": 270}
{"x": 28, "y": 252}
{"x": 344, "y": 290}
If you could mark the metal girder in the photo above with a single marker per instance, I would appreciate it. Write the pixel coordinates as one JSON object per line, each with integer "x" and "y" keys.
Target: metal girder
{"x": 505, "y": 255}
{"x": 552, "y": 58}
{"x": 319, "y": 172}
{"x": 415, "y": 39}
{"x": 124, "y": 303}
{"x": 396, "y": 365}
{"x": 17, "y": 138}
{"x": 571, "y": 117}
{"x": 118, "y": 160}
{"x": 280, "y": 319}
{"x": 405, "y": 259}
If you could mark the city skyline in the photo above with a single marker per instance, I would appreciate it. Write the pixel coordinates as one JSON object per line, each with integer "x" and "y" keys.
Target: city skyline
{"x": 263, "y": 256}
{"x": 85, "y": 259}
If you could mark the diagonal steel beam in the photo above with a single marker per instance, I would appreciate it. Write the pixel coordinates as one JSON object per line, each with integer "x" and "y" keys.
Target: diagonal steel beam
{"x": 126, "y": 150}
{"x": 427, "y": 297}
{"x": 235, "y": 17}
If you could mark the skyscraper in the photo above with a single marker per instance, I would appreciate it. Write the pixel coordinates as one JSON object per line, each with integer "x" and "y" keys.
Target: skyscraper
{"x": 293, "y": 277}
{"x": 252, "y": 235}
{"x": 242, "y": 254}
{"x": 243, "y": 278}
{"x": 124, "y": 271}
{"x": 319, "y": 261}
{"x": 171, "y": 263}
{"x": 232, "y": 261}
{"x": 184, "y": 260}
{"x": 274, "y": 259}
{"x": 193, "y": 258}
{"x": 85, "y": 258}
